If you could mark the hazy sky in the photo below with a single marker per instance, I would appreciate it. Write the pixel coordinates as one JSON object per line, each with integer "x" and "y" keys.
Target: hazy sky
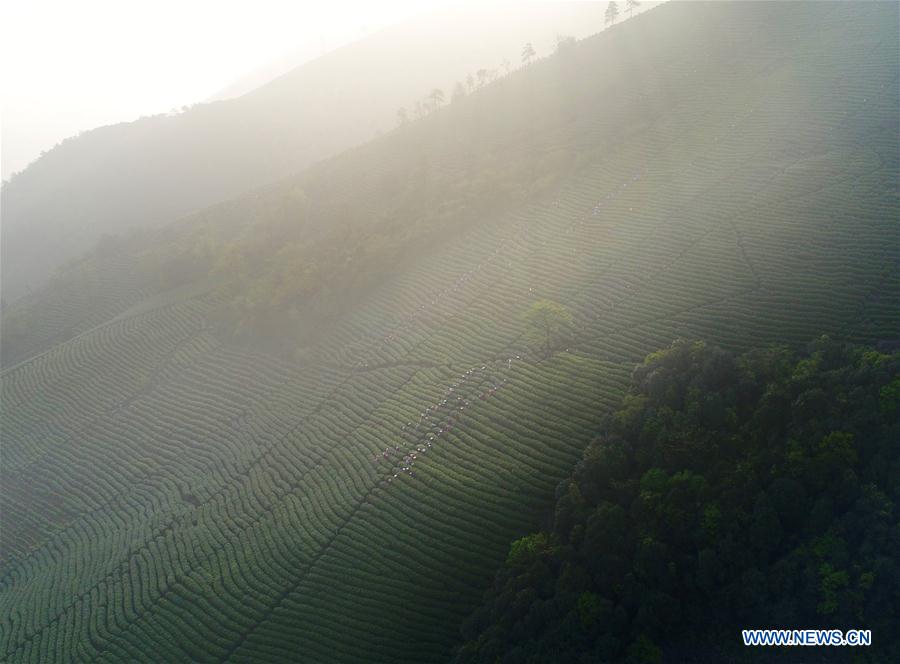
{"x": 68, "y": 66}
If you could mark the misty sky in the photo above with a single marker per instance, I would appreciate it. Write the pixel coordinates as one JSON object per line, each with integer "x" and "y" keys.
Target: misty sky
{"x": 70, "y": 66}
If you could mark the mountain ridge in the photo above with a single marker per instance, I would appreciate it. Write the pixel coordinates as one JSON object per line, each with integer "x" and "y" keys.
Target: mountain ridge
{"x": 154, "y": 170}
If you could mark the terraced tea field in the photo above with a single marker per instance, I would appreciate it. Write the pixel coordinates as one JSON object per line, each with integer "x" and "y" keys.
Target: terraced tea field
{"x": 212, "y": 504}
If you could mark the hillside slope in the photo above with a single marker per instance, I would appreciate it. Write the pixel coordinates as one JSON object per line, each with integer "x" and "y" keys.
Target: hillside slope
{"x": 168, "y": 495}
{"x": 149, "y": 172}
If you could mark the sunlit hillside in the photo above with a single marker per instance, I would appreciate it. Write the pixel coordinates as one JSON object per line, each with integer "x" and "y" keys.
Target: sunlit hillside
{"x": 305, "y": 423}
{"x": 147, "y": 173}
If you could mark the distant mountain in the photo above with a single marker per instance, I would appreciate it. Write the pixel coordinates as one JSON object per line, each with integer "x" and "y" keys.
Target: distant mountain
{"x": 307, "y": 422}
{"x": 151, "y": 171}
{"x": 259, "y": 76}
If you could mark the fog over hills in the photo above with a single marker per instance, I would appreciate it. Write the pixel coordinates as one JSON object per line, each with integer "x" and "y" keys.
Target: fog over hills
{"x": 310, "y": 411}
{"x": 149, "y": 172}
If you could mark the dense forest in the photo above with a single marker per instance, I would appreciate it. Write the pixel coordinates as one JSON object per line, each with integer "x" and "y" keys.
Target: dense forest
{"x": 727, "y": 492}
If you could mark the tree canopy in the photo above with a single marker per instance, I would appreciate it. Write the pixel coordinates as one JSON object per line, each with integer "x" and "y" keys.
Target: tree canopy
{"x": 528, "y": 53}
{"x": 612, "y": 11}
{"x": 727, "y": 492}
{"x": 546, "y": 321}
{"x": 631, "y": 5}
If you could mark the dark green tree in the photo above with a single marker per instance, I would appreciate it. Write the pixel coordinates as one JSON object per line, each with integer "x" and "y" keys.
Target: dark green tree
{"x": 547, "y": 321}
{"x": 725, "y": 491}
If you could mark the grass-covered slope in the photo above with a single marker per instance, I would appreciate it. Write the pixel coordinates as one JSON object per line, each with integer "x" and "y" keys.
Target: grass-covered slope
{"x": 169, "y": 496}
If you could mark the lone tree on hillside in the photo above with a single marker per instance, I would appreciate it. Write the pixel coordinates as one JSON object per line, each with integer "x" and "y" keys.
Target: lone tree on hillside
{"x": 527, "y": 54}
{"x": 482, "y": 75}
{"x": 631, "y": 5}
{"x": 547, "y": 321}
{"x": 435, "y": 98}
{"x": 470, "y": 82}
{"x": 402, "y": 117}
{"x": 612, "y": 11}
{"x": 458, "y": 92}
